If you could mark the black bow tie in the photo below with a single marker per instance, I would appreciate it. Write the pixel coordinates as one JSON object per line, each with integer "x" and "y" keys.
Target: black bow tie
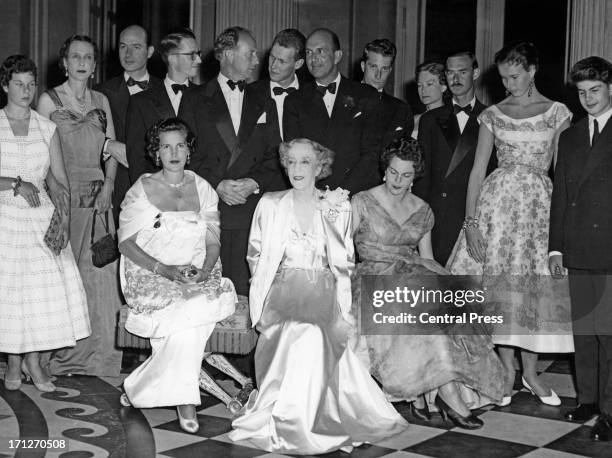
{"x": 179, "y": 87}
{"x": 144, "y": 85}
{"x": 331, "y": 88}
{"x": 466, "y": 109}
{"x": 236, "y": 84}
{"x": 277, "y": 90}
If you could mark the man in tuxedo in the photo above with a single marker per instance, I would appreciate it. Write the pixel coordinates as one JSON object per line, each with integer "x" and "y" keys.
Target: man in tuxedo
{"x": 394, "y": 115}
{"x": 134, "y": 52}
{"x": 237, "y": 137}
{"x": 161, "y": 100}
{"x": 337, "y": 113}
{"x": 581, "y": 239}
{"x": 449, "y": 135}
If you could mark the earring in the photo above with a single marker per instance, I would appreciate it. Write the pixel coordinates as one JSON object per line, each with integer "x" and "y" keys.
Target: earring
{"x": 188, "y": 159}
{"x": 384, "y": 178}
{"x": 66, "y": 72}
{"x": 91, "y": 76}
{"x": 507, "y": 93}
{"x": 530, "y": 89}
{"x": 157, "y": 160}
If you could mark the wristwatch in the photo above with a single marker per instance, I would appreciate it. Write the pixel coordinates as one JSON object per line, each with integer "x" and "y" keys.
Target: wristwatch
{"x": 16, "y": 184}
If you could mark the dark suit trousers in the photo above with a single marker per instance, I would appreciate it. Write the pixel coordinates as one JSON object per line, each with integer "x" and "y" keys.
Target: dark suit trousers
{"x": 234, "y": 245}
{"x": 591, "y": 296}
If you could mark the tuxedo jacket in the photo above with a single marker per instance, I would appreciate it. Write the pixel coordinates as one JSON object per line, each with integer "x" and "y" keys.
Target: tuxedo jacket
{"x": 449, "y": 157}
{"x": 221, "y": 154}
{"x": 394, "y": 120}
{"x": 118, "y": 95}
{"x": 581, "y": 209}
{"x": 351, "y": 131}
{"x": 144, "y": 110}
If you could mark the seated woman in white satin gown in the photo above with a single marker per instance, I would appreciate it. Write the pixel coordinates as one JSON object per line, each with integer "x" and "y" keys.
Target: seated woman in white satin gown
{"x": 171, "y": 274}
{"x": 314, "y": 395}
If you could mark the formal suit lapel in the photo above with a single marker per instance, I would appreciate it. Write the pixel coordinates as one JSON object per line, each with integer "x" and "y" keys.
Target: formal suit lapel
{"x": 161, "y": 102}
{"x": 315, "y": 107}
{"x": 597, "y": 153}
{"x": 449, "y": 126}
{"x": 222, "y": 118}
{"x": 467, "y": 142}
{"x": 122, "y": 99}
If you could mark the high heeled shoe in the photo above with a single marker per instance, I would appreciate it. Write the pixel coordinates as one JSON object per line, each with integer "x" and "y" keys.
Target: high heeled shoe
{"x": 124, "y": 400}
{"x": 551, "y": 400}
{"x": 46, "y": 387}
{"x": 189, "y": 425}
{"x": 471, "y": 422}
{"x": 420, "y": 414}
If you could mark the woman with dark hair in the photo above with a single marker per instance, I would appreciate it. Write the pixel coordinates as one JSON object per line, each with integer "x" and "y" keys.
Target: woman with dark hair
{"x": 431, "y": 87}
{"x": 85, "y": 127}
{"x": 505, "y": 233}
{"x": 314, "y": 395}
{"x": 392, "y": 233}
{"x": 42, "y": 300}
{"x": 171, "y": 274}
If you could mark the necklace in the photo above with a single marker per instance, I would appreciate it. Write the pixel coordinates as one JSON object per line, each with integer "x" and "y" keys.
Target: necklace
{"x": 16, "y": 119}
{"x": 176, "y": 185}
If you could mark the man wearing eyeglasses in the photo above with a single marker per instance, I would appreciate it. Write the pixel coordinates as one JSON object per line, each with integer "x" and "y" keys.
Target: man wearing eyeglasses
{"x": 236, "y": 145}
{"x": 162, "y": 100}
{"x": 134, "y": 51}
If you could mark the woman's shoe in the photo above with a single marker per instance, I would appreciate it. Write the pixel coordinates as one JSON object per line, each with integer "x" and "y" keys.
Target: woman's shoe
{"x": 189, "y": 425}
{"x": 12, "y": 385}
{"x": 506, "y": 400}
{"x": 550, "y": 400}
{"x": 471, "y": 422}
{"x": 46, "y": 387}
{"x": 420, "y": 414}
{"x": 124, "y": 400}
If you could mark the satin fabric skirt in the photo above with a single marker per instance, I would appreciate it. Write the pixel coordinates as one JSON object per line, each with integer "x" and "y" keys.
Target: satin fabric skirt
{"x": 314, "y": 394}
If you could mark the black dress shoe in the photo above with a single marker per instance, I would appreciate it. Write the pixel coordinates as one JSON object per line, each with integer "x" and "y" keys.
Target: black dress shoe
{"x": 602, "y": 431}
{"x": 582, "y": 413}
{"x": 420, "y": 414}
{"x": 470, "y": 422}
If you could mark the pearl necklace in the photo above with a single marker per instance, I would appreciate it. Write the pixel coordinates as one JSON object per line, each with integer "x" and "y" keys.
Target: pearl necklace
{"x": 177, "y": 185}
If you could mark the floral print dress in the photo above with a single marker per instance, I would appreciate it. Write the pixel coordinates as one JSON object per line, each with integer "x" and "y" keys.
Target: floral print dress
{"x": 513, "y": 211}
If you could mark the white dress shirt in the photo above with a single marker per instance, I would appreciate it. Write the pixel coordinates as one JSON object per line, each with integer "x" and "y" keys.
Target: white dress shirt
{"x": 462, "y": 116}
{"x": 602, "y": 119}
{"x": 175, "y": 99}
{"x": 279, "y": 100}
{"x": 329, "y": 99}
{"x": 135, "y": 89}
{"x": 233, "y": 100}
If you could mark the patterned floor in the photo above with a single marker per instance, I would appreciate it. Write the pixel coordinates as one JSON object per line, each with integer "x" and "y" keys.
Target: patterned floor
{"x": 86, "y": 412}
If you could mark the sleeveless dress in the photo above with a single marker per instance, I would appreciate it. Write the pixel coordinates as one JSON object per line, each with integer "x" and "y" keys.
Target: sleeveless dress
{"x": 82, "y": 136}
{"x": 410, "y": 365}
{"x": 42, "y": 301}
{"x": 314, "y": 396}
{"x": 513, "y": 211}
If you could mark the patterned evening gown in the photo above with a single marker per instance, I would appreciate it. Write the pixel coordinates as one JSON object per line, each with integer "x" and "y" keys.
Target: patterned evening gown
{"x": 42, "y": 300}
{"x": 513, "y": 216}
{"x": 410, "y": 365}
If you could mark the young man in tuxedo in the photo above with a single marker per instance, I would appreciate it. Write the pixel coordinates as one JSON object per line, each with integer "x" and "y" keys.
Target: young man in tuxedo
{"x": 134, "y": 52}
{"x": 337, "y": 113}
{"x": 394, "y": 115}
{"x": 449, "y": 135}
{"x": 237, "y": 137}
{"x": 581, "y": 239}
{"x": 161, "y": 100}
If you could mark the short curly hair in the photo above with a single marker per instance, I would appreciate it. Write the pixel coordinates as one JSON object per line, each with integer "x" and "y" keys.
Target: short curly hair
{"x": 167, "y": 125}
{"x": 63, "y": 52}
{"x": 521, "y": 53}
{"x": 405, "y": 149}
{"x": 435, "y": 68}
{"x": 17, "y": 63}
{"x": 228, "y": 39}
{"x": 325, "y": 156}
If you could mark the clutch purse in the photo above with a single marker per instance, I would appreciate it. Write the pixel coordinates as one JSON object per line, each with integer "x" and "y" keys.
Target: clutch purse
{"x": 53, "y": 238}
{"x": 103, "y": 251}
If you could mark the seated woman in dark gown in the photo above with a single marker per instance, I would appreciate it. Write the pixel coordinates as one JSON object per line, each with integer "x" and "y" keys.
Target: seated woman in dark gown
{"x": 392, "y": 235}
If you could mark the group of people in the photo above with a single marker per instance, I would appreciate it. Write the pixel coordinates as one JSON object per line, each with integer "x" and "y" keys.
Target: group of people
{"x": 232, "y": 188}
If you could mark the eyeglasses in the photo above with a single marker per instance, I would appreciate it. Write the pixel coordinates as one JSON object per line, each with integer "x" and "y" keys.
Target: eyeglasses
{"x": 192, "y": 54}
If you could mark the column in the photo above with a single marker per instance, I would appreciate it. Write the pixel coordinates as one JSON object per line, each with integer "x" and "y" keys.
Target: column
{"x": 590, "y": 30}
{"x": 489, "y": 39}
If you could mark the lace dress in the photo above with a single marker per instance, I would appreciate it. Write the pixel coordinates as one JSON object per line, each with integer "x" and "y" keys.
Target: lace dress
{"x": 42, "y": 300}
{"x": 513, "y": 211}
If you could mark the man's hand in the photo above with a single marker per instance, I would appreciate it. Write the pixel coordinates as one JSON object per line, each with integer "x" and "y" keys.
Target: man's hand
{"x": 247, "y": 186}
{"x": 230, "y": 192}
{"x": 555, "y": 265}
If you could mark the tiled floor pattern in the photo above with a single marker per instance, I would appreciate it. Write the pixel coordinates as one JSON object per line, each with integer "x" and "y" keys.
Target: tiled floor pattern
{"x": 86, "y": 411}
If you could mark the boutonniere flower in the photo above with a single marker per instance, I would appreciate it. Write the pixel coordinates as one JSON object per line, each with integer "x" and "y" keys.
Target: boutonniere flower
{"x": 348, "y": 102}
{"x": 331, "y": 202}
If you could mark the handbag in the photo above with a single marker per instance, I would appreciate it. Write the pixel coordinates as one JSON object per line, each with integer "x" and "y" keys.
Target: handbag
{"x": 53, "y": 237}
{"x": 105, "y": 250}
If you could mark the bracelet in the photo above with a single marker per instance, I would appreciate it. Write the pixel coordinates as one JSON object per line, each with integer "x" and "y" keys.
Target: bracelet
{"x": 470, "y": 221}
{"x": 16, "y": 185}
{"x": 156, "y": 266}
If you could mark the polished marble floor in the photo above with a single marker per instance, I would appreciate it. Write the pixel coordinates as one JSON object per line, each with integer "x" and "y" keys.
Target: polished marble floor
{"x": 86, "y": 412}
